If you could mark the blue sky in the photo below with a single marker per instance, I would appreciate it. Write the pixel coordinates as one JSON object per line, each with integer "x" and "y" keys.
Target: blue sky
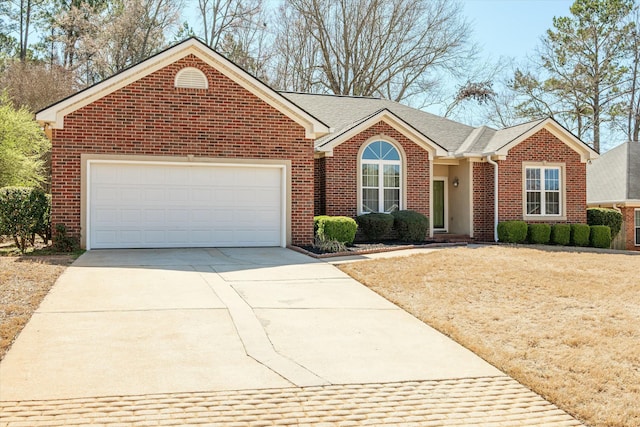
{"x": 511, "y": 27}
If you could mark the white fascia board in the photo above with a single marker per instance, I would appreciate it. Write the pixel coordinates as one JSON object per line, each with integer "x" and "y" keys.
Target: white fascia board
{"x": 393, "y": 121}
{"x": 586, "y": 152}
{"x": 55, "y": 114}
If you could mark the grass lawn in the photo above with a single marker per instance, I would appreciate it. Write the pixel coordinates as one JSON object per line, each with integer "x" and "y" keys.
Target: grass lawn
{"x": 24, "y": 282}
{"x": 565, "y": 324}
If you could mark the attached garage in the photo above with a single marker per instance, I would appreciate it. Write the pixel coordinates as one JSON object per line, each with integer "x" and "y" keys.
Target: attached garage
{"x": 184, "y": 149}
{"x": 158, "y": 205}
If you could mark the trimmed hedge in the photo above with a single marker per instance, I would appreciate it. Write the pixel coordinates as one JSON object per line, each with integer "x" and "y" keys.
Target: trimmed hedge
{"x": 512, "y": 231}
{"x": 539, "y": 234}
{"x": 560, "y": 234}
{"x": 375, "y": 226}
{"x": 411, "y": 226}
{"x": 600, "y": 236}
{"x": 604, "y": 216}
{"x": 580, "y": 234}
{"x": 339, "y": 228}
{"x": 25, "y": 212}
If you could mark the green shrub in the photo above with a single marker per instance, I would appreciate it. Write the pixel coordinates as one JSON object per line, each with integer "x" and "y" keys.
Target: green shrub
{"x": 580, "y": 234}
{"x": 24, "y": 212}
{"x": 63, "y": 242}
{"x": 411, "y": 226}
{"x": 375, "y": 226}
{"x": 603, "y": 216}
{"x": 560, "y": 234}
{"x": 539, "y": 234}
{"x": 600, "y": 236}
{"x": 339, "y": 228}
{"x": 512, "y": 231}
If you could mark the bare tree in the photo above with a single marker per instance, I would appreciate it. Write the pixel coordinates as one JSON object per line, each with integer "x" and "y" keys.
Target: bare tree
{"x": 75, "y": 26}
{"x": 239, "y": 30}
{"x": 386, "y": 48}
{"x": 295, "y": 53}
{"x": 35, "y": 85}
{"x": 134, "y": 30}
{"x": 223, "y": 17}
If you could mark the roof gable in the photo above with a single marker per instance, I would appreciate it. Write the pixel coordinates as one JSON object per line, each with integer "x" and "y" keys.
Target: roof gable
{"x": 328, "y": 144}
{"x": 508, "y": 138}
{"x": 53, "y": 116}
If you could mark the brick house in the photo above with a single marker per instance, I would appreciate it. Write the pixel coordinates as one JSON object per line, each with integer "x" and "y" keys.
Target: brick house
{"x": 613, "y": 181}
{"x": 187, "y": 149}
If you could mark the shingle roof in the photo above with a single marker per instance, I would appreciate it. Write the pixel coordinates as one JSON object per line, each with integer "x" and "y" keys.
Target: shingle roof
{"x": 615, "y": 176}
{"x": 504, "y": 136}
{"x": 343, "y": 112}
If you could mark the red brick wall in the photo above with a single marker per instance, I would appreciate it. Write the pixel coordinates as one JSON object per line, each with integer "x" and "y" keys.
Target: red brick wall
{"x": 483, "y": 207}
{"x": 542, "y": 146}
{"x": 341, "y": 195}
{"x": 319, "y": 179}
{"x": 151, "y": 117}
{"x": 629, "y": 228}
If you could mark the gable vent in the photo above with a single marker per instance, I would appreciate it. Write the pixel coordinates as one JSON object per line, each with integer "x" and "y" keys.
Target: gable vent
{"x": 191, "y": 78}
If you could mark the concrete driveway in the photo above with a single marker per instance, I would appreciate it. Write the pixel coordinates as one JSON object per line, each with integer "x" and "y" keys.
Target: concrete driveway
{"x": 149, "y": 322}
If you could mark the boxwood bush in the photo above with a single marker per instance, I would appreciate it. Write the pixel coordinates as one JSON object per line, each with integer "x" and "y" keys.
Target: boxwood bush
{"x": 603, "y": 216}
{"x": 375, "y": 226}
{"x": 560, "y": 234}
{"x": 512, "y": 231}
{"x": 580, "y": 234}
{"x": 339, "y": 228}
{"x": 539, "y": 234}
{"x": 600, "y": 236}
{"x": 411, "y": 226}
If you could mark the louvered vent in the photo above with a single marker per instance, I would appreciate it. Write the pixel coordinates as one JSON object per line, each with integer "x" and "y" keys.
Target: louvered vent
{"x": 191, "y": 78}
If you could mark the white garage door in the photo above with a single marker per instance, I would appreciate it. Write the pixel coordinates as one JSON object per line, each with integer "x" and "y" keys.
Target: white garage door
{"x": 134, "y": 205}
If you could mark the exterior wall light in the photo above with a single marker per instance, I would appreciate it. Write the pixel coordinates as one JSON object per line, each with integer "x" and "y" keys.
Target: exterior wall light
{"x": 456, "y": 182}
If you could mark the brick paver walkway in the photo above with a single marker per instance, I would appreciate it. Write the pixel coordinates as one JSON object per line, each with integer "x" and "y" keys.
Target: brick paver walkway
{"x": 489, "y": 401}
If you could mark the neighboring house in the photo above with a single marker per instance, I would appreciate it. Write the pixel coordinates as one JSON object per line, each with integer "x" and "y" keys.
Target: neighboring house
{"x": 613, "y": 181}
{"x": 187, "y": 149}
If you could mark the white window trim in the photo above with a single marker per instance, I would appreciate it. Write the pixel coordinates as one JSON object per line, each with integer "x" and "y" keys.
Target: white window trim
{"x": 636, "y": 226}
{"x": 562, "y": 216}
{"x": 403, "y": 174}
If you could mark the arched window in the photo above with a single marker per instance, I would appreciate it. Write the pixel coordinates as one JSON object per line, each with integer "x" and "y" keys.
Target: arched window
{"x": 381, "y": 178}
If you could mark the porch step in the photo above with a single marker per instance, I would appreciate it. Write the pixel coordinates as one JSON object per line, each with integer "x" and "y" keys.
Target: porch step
{"x": 452, "y": 238}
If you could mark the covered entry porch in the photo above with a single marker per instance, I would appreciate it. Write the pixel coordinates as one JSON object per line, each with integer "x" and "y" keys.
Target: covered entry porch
{"x": 452, "y": 206}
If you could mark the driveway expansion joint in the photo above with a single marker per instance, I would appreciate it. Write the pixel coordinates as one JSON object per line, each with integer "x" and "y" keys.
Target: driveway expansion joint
{"x": 254, "y": 338}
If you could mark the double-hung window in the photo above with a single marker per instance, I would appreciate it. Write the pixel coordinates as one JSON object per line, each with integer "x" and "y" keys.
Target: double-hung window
{"x": 380, "y": 178}
{"x": 543, "y": 191}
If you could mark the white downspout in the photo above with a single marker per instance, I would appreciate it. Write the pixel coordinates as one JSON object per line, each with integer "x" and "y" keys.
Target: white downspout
{"x": 495, "y": 197}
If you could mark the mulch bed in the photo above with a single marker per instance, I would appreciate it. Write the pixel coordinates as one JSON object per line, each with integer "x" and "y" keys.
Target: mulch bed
{"x": 364, "y": 248}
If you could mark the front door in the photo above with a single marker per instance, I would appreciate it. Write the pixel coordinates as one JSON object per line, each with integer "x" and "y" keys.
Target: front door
{"x": 440, "y": 203}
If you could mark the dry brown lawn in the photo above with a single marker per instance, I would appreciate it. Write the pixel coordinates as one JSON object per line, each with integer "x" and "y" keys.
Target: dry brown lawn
{"x": 24, "y": 282}
{"x": 565, "y": 324}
